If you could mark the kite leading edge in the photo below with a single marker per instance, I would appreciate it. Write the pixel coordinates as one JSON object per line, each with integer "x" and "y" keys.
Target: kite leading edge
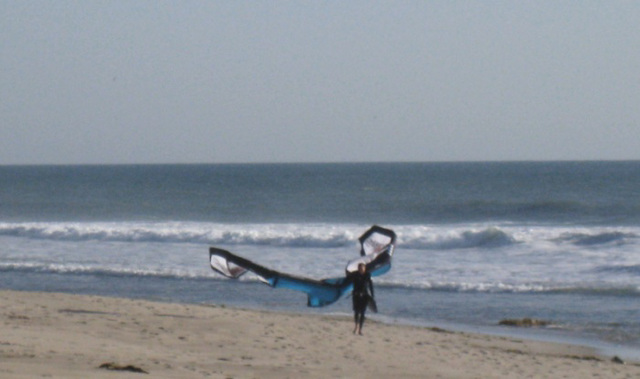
{"x": 376, "y": 249}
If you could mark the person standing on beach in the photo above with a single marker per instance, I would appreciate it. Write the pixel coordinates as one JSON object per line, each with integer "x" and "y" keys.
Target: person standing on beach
{"x": 362, "y": 285}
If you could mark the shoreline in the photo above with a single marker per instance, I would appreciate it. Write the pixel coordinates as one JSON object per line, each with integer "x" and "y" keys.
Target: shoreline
{"x": 65, "y": 336}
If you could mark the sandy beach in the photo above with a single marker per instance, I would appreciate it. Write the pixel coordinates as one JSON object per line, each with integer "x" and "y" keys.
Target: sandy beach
{"x": 71, "y": 336}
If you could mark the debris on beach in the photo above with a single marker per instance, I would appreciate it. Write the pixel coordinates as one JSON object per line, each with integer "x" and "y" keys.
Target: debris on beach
{"x": 617, "y": 359}
{"x": 117, "y": 367}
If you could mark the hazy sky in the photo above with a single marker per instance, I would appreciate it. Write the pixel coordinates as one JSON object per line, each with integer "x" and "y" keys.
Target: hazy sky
{"x": 318, "y": 81}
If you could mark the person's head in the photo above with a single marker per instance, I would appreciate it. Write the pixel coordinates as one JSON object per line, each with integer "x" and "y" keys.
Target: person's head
{"x": 362, "y": 268}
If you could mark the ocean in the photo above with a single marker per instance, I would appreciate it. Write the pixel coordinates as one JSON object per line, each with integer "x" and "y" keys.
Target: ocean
{"x": 477, "y": 242}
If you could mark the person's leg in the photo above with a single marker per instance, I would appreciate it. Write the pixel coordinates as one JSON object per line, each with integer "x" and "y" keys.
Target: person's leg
{"x": 358, "y": 320}
{"x": 355, "y": 314}
{"x": 361, "y": 321}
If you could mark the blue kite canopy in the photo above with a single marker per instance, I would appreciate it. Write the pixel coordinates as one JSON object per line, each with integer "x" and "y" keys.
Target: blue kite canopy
{"x": 376, "y": 249}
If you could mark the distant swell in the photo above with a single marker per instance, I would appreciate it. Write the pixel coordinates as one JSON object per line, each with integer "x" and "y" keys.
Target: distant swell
{"x": 513, "y": 210}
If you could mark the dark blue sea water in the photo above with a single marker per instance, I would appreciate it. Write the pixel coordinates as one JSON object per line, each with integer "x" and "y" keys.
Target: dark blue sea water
{"x": 477, "y": 242}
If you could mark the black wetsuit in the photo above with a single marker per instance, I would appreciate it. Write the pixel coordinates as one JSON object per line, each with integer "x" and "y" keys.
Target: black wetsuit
{"x": 360, "y": 295}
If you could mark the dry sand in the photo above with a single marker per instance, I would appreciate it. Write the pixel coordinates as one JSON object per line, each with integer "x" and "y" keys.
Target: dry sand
{"x": 69, "y": 336}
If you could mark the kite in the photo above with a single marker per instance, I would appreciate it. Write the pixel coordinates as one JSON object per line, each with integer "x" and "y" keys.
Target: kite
{"x": 376, "y": 249}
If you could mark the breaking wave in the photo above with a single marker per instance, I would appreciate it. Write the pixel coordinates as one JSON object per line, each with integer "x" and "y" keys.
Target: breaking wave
{"x": 290, "y": 235}
{"x": 490, "y": 237}
{"x": 260, "y": 235}
{"x": 416, "y": 237}
{"x": 586, "y": 239}
{"x": 620, "y": 269}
